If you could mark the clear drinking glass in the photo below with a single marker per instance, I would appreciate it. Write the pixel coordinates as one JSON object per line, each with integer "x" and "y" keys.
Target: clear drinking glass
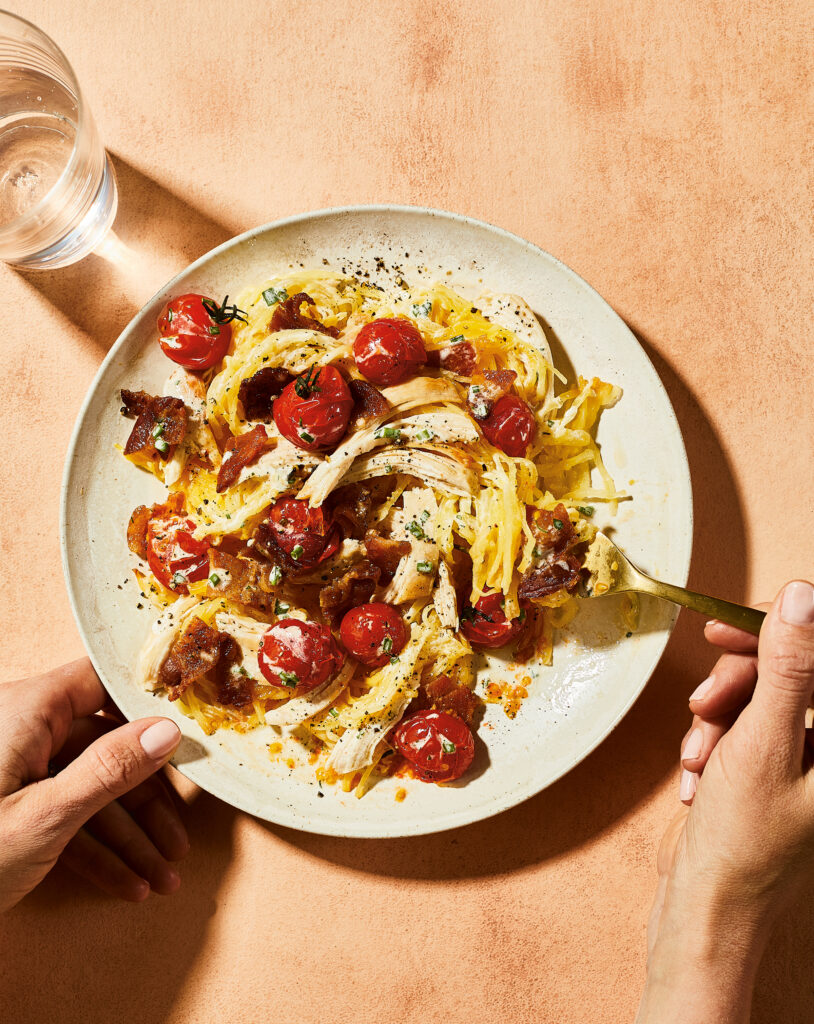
{"x": 57, "y": 188}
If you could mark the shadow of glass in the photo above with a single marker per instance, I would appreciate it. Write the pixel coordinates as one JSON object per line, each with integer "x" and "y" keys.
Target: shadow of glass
{"x": 115, "y": 947}
{"x": 157, "y": 234}
{"x": 620, "y": 774}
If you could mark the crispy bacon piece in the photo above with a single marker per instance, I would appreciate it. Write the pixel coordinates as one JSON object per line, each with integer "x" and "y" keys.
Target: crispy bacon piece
{"x": 460, "y": 358}
{"x": 234, "y": 689}
{"x": 287, "y": 317}
{"x": 560, "y": 567}
{"x": 486, "y": 389}
{"x": 239, "y": 452}
{"x": 368, "y": 402}
{"x": 191, "y": 656}
{"x": 152, "y": 411}
{"x": 257, "y": 393}
{"x": 353, "y": 587}
{"x": 241, "y": 579}
{"x": 140, "y": 519}
{"x": 350, "y": 506}
{"x": 446, "y": 694}
{"x": 385, "y": 552}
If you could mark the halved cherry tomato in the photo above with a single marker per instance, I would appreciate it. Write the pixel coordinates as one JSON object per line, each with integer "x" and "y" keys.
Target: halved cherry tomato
{"x": 175, "y": 557}
{"x": 373, "y": 633}
{"x": 304, "y": 533}
{"x": 510, "y": 425}
{"x": 439, "y": 746}
{"x": 486, "y": 624}
{"x": 389, "y": 351}
{"x": 313, "y": 411}
{"x": 299, "y": 655}
{"x": 195, "y": 332}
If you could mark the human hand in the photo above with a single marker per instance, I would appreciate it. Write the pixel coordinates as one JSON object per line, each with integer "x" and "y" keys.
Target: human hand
{"x": 104, "y": 814}
{"x": 731, "y": 863}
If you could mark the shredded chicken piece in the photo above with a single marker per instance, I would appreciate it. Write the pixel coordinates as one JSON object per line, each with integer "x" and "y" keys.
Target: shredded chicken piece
{"x": 401, "y": 398}
{"x": 198, "y": 439}
{"x": 415, "y": 575}
{"x": 300, "y": 709}
{"x": 445, "y": 599}
{"x": 446, "y": 469}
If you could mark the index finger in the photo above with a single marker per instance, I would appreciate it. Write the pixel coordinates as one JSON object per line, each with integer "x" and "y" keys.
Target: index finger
{"x": 719, "y": 634}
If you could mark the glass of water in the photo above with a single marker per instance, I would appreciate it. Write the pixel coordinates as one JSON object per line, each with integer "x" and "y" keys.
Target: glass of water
{"x": 57, "y": 188}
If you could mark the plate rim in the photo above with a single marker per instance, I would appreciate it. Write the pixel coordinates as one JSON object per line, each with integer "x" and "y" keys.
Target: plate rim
{"x": 283, "y": 815}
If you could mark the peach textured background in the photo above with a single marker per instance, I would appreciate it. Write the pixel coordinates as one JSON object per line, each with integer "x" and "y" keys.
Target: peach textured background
{"x": 662, "y": 150}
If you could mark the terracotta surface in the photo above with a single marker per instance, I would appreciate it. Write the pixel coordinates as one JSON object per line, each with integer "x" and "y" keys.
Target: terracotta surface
{"x": 663, "y": 151}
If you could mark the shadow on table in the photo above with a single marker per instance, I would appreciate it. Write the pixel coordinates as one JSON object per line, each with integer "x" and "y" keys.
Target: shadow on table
{"x": 157, "y": 233}
{"x": 105, "y": 960}
{"x": 612, "y": 781}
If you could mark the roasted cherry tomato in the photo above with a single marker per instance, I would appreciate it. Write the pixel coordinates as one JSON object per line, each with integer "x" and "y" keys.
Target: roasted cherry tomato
{"x": 439, "y": 746}
{"x": 389, "y": 351}
{"x": 299, "y": 655}
{"x": 175, "y": 557}
{"x": 304, "y": 533}
{"x": 195, "y": 331}
{"x": 373, "y": 633}
{"x": 313, "y": 411}
{"x": 486, "y": 624}
{"x": 510, "y": 425}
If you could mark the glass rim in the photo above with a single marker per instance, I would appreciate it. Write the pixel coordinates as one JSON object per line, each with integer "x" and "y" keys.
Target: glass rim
{"x": 33, "y": 213}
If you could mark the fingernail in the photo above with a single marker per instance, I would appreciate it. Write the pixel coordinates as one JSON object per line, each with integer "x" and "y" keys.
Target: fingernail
{"x": 692, "y": 748}
{"x": 703, "y": 689}
{"x": 160, "y": 738}
{"x": 712, "y": 622}
{"x": 797, "y": 604}
{"x": 689, "y": 783}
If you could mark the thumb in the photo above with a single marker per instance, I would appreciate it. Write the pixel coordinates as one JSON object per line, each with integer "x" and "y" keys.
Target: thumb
{"x": 786, "y": 667}
{"x": 114, "y": 764}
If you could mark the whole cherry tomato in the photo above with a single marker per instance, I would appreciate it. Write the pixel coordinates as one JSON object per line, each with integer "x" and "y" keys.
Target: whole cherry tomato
{"x": 439, "y": 746}
{"x": 313, "y": 411}
{"x": 486, "y": 624}
{"x": 373, "y": 633}
{"x": 175, "y": 557}
{"x": 510, "y": 425}
{"x": 389, "y": 351}
{"x": 304, "y": 533}
{"x": 299, "y": 655}
{"x": 195, "y": 331}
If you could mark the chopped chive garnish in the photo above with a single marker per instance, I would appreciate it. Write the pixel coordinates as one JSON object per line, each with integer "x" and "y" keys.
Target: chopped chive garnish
{"x": 275, "y": 295}
{"x": 456, "y": 339}
{"x": 557, "y": 523}
{"x": 297, "y": 552}
{"x": 448, "y": 747}
{"x": 178, "y": 580}
{"x": 422, "y": 308}
{"x": 427, "y": 568}
{"x": 388, "y": 468}
{"x": 280, "y": 607}
{"x": 586, "y": 510}
{"x": 214, "y": 329}
{"x": 161, "y": 444}
{"x": 289, "y": 678}
{"x": 387, "y": 644}
{"x": 415, "y": 530}
{"x": 550, "y": 423}
{"x": 425, "y": 515}
{"x": 169, "y": 316}
{"x": 214, "y": 579}
{"x": 394, "y": 658}
{"x": 305, "y": 436}
{"x": 333, "y": 713}
{"x": 388, "y": 433}
{"x": 158, "y": 429}
{"x": 425, "y": 435}
{"x": 276, "y": 574}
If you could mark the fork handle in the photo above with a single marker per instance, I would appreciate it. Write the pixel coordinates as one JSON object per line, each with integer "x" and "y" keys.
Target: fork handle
{"x": 749, "y": 619}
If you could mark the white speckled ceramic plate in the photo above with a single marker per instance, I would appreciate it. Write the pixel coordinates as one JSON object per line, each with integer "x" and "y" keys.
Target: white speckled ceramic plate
{"x": 597, "y": 672}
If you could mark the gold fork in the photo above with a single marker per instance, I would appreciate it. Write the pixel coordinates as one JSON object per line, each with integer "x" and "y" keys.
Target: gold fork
{"x": 612, "y": 572}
